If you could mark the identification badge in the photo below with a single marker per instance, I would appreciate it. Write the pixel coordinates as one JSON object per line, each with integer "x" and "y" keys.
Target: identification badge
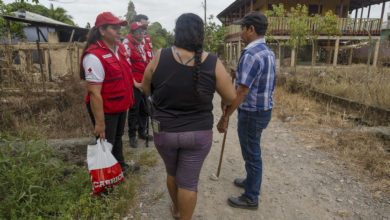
{"x": 156, "y": 125}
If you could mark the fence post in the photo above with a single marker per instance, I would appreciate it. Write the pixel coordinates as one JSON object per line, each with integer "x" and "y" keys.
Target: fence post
{"x": 40, "y": 61}
{"x": 376, "y": 53}
{"x": 336, "y": 52}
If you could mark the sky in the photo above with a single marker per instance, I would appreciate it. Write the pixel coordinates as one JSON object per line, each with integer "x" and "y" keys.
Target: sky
{"x": 163, "y": 11}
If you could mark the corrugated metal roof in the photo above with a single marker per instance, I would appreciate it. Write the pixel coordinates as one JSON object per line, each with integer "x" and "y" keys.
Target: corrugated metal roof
{"x": 30, "y": 16}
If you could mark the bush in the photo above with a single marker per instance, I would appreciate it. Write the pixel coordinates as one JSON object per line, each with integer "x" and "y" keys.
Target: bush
{"x": 37, "y": 184}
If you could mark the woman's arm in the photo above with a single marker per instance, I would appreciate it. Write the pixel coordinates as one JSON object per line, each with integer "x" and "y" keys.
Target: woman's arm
{"x": 97, "y": 110}
{"x": 147, "y": 80}
{"x": 224, "y": 85}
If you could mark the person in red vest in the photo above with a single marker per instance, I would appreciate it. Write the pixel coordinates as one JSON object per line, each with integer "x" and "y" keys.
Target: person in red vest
{"x": 148, "y": 47}
{"x": 105, "y": 65}
{"x": 138, "y": 113}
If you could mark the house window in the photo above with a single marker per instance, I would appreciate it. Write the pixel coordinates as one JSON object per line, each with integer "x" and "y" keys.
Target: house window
{"x": 313, "y": 9}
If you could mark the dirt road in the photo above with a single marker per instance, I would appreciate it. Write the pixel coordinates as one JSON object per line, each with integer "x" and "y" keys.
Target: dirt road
{"x": 299, "y": 182}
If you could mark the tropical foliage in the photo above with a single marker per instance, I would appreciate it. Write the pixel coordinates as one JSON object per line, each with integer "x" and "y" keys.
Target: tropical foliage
{"x": 300, "y": 33}
{"x": 58, "y": 14}
{"x": 161, "y": 38}
{"x": 214, "y": 36}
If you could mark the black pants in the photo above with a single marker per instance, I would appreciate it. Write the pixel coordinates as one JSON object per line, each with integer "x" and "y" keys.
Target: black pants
{"x": 115, "y": 126}
{"x": 137, "y": 114}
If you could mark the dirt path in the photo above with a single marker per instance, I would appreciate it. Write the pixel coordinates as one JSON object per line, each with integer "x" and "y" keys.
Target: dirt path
{"x": 299, "y": 182}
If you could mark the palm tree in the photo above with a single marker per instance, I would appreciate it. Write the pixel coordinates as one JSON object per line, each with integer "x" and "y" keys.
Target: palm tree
{"x": 60, "y": 14}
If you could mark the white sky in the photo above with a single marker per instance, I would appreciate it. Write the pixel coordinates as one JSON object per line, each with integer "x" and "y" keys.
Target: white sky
{"x": 163, "y": 11}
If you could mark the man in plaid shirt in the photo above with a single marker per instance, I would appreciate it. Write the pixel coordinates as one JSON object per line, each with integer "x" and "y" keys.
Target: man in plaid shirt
{"x": 255, "y": 88}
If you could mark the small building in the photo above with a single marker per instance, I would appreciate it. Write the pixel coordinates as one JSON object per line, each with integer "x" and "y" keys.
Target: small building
{"x": 353, "y": 30}
{"x": 49, "y": 45}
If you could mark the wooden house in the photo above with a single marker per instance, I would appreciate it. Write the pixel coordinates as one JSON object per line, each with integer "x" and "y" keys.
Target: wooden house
{"x": 53, "y": 46}
{"x": 353, "y": 29}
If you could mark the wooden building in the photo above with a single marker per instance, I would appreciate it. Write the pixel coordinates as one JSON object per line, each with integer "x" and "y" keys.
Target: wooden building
{"x": 48, "y": 47}
{"x": 353, "y": 29}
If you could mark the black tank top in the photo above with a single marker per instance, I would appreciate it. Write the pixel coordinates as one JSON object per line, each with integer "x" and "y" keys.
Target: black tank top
{"x": 177, "y": 106}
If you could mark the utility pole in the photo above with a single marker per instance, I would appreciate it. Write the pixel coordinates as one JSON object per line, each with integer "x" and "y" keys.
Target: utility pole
{"x": 205, "y": 9}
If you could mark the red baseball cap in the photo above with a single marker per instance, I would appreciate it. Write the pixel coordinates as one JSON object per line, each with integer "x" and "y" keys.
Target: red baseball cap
{"x": 108, "y": 18}
{"x": 136, "y": 24}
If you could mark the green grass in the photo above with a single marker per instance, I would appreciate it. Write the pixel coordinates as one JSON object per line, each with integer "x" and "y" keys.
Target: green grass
{"x": 37, "y": 184}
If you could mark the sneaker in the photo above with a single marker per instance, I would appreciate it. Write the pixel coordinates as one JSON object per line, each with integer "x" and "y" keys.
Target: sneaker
{"x": 240, "y": 182}
{"x": 145, "y": 136}
{"x": 243, "y": 202}
{"x": 133, "y": 142}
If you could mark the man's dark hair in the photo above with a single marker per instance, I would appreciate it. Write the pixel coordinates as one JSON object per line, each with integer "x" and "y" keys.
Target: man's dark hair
{"x": 140, "y": 17}
{"x": 260, "y": 29}
{"x": 257, "y": 19}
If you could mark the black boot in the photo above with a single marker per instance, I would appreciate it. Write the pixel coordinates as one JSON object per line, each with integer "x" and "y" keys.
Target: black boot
{"x": 243, "y": 202}
{"x": 133, "y": 142}
{"x": 240, "y": 182}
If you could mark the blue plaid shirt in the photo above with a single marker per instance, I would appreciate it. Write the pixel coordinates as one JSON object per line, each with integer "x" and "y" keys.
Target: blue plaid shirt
{"x": 256, "y": 70}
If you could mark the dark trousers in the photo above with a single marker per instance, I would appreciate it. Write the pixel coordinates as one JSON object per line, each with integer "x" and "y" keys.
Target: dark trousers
{"x": 250, "y": 126}
{"x": 115, "y": 126}
{"x": 137, "y": 114}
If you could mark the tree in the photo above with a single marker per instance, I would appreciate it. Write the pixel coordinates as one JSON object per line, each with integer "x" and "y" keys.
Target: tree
{"x": 130, "y": 14}
{"x": 214, "y": 36}
{"x": 160, "y": 36}
{"x": 34, "y": 1}
{"x": 60, "y": 14}
{"x": 299, "y": 31}
{"x": 88, "y": 25}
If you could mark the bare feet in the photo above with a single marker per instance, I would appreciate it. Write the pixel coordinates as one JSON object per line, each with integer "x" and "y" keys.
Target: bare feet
{"x": 174, "y": 211}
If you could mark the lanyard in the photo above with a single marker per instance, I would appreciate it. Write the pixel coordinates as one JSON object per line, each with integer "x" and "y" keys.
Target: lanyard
{"x": 139, "y": 51}
{"x": 181, "y": 60}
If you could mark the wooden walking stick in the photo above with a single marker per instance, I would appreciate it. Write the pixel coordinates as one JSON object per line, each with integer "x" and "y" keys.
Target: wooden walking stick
{"x": 222, "y": 150}
{"x": 213, "y": 176}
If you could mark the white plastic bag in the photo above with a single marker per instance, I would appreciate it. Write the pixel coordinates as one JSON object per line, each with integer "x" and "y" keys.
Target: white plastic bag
{"x": 103, "y": 168}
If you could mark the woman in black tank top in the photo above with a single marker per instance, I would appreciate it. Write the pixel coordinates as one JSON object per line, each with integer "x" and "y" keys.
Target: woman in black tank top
{"x": 182, "y": 81}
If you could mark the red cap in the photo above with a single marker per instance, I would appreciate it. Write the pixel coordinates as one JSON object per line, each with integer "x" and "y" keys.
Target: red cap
{"x": 108, "y": 18}
{"x": 136, "y": 24}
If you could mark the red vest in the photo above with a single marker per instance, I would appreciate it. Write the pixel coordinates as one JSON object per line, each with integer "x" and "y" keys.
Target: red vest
{"x": 117, "y": 87}
{"x": 137, "y": 58}
{"x": 148, "y": 48}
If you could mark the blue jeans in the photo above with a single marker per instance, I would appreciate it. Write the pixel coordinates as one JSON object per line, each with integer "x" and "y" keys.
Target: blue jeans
{"x": 250, "y": 126}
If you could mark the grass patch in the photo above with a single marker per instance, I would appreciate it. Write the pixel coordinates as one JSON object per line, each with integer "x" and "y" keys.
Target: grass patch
{"x": 351, "y": 82}
{"x": 59, "y": 114}
{"x": 329, "y": 129}
{"x": 36, "y": 183}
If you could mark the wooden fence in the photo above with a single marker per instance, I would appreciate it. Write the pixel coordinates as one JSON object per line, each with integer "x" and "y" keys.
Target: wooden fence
{"x": 24, "y": 62}
{"x": 347, "y": 26}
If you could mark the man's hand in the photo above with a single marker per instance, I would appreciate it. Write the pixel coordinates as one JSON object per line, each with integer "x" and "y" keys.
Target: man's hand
{"x": 223, "y": 124}
{"x": 100, "y": 131}
{"x": 233, "y": 72}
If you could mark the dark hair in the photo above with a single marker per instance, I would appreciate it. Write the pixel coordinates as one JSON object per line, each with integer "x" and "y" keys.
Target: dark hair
{"x": 92, "y": 37}
{"x": 140, "y": 17}
{"x": 257, "y": 19}
{"x": 260, "y": 29}
{"x": 189, "y": 35}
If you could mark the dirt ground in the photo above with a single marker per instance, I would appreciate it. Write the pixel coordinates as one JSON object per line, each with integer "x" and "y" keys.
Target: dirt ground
{"x": 299, "y": 182}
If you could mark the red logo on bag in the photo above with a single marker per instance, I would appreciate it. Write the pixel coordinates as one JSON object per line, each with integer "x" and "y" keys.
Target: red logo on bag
{"x": 106, "y": 177}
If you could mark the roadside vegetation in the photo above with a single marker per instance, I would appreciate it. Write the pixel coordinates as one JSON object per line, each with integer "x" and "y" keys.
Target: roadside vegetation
{"x": 39, "y": 183}
{"x": 351, "y": 82}
{"x": 333, "y": 130}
